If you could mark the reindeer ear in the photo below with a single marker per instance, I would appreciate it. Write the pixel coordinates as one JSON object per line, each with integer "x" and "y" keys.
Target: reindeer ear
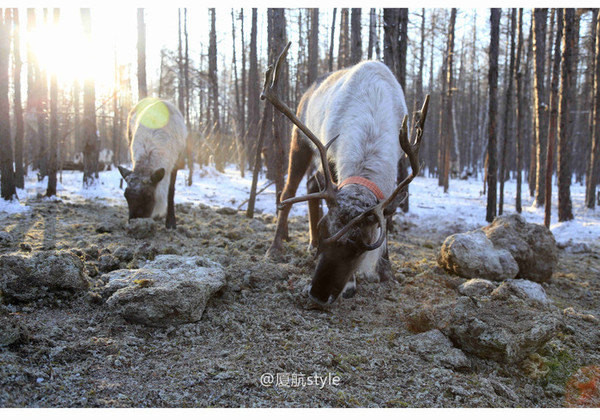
{"x": 124, "y": 172}
{"x": 157, "y": 176}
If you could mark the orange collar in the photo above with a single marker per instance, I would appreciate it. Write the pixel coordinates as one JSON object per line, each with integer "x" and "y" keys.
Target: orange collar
{"x": 359, "y": 180}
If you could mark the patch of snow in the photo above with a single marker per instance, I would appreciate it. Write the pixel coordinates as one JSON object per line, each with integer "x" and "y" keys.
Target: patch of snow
{"x": 463, "y": 208}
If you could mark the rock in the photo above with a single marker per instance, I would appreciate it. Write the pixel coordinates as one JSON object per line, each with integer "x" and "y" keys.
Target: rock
{"x": 476, "y": 287}
{"x": 124, "y": 253}
{"x": 11, "y": 331}
{"x": 141, "y": 228}
{"x": 532, "y": 246}
{"x": 170, "y": 290}
{"x": 503, "y": 328}
{"x": 25, "y": 278}
{"x": 105, "y": 227}
{"x": 433, "y": 346}
{"x": 473, "y": 255}
{"x": 525, "y": 289}
{"x": 5, "y": 238}
{"x": 108, "y": 263}
{"x": 227, "y": 211}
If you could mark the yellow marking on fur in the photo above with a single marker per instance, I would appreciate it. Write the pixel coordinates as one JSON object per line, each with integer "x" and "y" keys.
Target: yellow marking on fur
{"x": 152, "y": 113}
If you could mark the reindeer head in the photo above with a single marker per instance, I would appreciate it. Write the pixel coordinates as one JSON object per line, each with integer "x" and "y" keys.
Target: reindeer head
{"x": 355, "y": 222}
{"x": 140, "y": 191}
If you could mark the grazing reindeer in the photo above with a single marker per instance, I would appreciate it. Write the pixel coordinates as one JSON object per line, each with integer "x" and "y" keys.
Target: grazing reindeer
{"x": 158, "y": 144}
{"x": 362, "y": 110}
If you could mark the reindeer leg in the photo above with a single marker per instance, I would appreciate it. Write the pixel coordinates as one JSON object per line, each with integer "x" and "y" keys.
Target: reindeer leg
{"x": 315, "y": 211}
{"x": 384, "y": 266}
{"x": 171, "y": 223}
{"x": 300, "y": 157}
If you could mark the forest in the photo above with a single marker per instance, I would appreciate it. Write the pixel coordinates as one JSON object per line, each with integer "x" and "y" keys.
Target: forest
{"x": 484, "y": 293}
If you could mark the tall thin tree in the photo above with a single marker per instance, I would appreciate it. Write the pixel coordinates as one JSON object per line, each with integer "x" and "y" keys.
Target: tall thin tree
{"x": 355, "y": 36}
{"x": 492, "y": 112}
{"x": 7, "y": 174}
{"x": 18, "y": 108}
{"x": 553, "y": 117}
{"x": 568, "y": 80}
{"x": 541, "y": 113}
{"x": 53, "y": 149}
{"x": 519, "y": 112}
{"x": 506, "y": 136}
{"x": 90, "y": 138}
{"x": 141, "y": 54}
{"x": 313, "y": 47}
{"x": 592, "y": 175}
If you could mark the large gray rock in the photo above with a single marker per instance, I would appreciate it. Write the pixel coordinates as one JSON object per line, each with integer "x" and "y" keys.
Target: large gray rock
{"x": 473, "y": 255}
{"x": 476, "y": 287}
{"x": 525, "y": 289}
{"x": 26, "y": 278}
{"x": 502, "y": 327}
{"x": 532, "y": 246}
{"x": 170, "y": 290}
{"x": 433, "y": 346}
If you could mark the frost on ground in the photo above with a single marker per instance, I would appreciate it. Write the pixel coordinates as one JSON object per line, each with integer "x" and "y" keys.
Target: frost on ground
{"x": 392, "y": 345}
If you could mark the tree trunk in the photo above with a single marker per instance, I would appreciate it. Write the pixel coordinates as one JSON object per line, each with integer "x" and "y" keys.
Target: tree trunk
{"x": 31, "y": 134}
{"x": 313, "y": 47}
{"x": 446, "y": 114}
{"x": 141, "y": 54}
{"x": 356, "y": 38}
{"x": 90, "y": 149}
{"x": 492, "y": 112}
{"x": 372, "y": 32}
{"x": 420, "y": 95}
{"x": 180, "y": 78}
{"x": 41, "y": 113}
{"x": 332, "y": 41}
{"x": 592, "y": 176}
{"x": 390, "y": 39}
{"x": 238, "y": 104}
{"x": 244, "y": 92}
{"x": 212, "y": 69}
{"x": 553, "y": 117}
{"x": 541, "y": 113}
{"x": 520, "y": 111}
{"x": 7, "y": 181}
{"x": 52, "y": 167}
{"x": 507, "y": 110}
{"x": 344, "y": 47}
{"x": 567, "y": 100}
{"x": 18, "y": 108}
{"x": 274, "y": 149}
{"x": 403, "y": 45}
{"x": 253, "y": 91}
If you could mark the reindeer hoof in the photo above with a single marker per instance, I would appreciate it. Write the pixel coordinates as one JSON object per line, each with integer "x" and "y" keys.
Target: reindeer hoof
{"x": 385, "y": 271}
{"x": 274, "y": 253}
{"x": 171, "y": 224}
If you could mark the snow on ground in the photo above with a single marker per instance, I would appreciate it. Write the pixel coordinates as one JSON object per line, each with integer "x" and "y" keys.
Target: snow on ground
{"x": 462, "y": 208}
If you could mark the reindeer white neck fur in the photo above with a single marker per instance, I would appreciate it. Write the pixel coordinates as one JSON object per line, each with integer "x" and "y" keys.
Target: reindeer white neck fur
{"x": 365, "y": 106}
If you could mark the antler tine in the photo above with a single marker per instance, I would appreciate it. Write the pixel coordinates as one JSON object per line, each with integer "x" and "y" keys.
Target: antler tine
{"x": 271, "y": 79}
{"x": 412, "y": 150}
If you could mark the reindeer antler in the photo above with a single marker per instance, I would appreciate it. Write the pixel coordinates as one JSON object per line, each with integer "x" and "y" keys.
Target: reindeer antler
{"x": 329, "y": 192}
{"x": 412, "y": 151}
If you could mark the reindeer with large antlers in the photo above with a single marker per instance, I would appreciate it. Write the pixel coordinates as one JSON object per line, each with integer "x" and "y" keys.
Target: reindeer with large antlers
{"x": 361, "y": 111}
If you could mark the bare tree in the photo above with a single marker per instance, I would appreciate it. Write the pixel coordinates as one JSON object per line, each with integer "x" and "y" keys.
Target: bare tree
{"x": 356, "y": 38}
{"x": 313, "y": 47}
{"x": 332, "y": 41}
{"x": 507, "y": 110}
{"x": 18, "y": 108}
{"x": 592, "y": 175}
{"x": 446, "y": 130}
{"x": 7, "y": 181}
{"x": 52, "y": 166}
{"x": 90, "y": 148}
{"x": 253, "y": 91}
{"x": 553, "y": 117}
{"x": 520, "y": 112}
{"x": 141, "y": 54}
{"x": 568, "y": 79}
{"x": 541, "y": 114}
{"x": 344, "y": 47}
{"x": 372, "y": 32}
{"x": 492, "y": 112}
{"x": 212, "y": 70}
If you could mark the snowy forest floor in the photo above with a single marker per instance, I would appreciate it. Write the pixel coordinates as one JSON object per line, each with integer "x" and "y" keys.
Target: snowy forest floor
{"x": 78, "y": 353}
